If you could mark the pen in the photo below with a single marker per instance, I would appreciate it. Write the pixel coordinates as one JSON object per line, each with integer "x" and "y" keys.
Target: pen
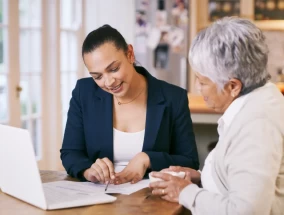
{"x": 107, "y": 185}
{"x": 148, "y": 196}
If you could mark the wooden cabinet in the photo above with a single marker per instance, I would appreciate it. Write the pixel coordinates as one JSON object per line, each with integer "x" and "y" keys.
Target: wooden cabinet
{"x": 199, "y": 19}
{"x": 247, "y": 10}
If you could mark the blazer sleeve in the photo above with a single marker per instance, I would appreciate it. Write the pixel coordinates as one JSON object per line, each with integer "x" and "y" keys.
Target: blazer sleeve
{"x": 252, "y": 165}
{"x": 183, "y": 151}
{"x": 73, "y": 152}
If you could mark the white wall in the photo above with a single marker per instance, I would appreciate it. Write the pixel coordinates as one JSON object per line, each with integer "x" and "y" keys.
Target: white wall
{"x": 120, "y": 14}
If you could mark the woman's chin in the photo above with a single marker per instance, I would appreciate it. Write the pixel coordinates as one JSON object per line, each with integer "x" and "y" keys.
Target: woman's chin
{"x": 120, "y": 94}
{"x": 211, "y": 106}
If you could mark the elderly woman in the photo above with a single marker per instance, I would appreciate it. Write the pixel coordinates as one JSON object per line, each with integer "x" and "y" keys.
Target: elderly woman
{"x": 244, "y": 174}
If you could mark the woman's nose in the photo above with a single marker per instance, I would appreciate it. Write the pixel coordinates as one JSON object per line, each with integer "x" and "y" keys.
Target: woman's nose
{"x": 197, "y": 86}
{"x": 109, "y": 81}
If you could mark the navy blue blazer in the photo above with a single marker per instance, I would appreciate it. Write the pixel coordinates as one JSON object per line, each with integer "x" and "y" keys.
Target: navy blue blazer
{"x": 169, "y": 138}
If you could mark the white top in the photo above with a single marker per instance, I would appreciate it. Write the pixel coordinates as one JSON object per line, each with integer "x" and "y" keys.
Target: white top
{"x": 223, "y": 123}
{"x": 125, "y": 147}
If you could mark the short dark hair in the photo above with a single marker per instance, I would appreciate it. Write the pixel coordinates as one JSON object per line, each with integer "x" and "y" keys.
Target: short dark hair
{"x": 102, "y": 35}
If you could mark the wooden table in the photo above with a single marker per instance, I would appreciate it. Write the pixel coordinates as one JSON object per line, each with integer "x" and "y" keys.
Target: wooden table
{"x": 135, "y": 203}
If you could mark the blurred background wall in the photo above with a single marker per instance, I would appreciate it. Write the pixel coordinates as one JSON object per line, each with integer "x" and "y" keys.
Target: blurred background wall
{"x": 40, "y": 55}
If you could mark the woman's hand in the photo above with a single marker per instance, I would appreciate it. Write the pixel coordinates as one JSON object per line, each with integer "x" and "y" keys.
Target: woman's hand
{"x": 171, "y": 186}
{"x": 195, "y": 176}
{"x": 102, "y": 170}
{"x": 135, "y": 169}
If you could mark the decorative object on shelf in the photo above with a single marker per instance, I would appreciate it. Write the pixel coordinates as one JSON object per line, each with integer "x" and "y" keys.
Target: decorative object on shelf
{"x": 269, "y": 10}
{"x": 221, "y": 8}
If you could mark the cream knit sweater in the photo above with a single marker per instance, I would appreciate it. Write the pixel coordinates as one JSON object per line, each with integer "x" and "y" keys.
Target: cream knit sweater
{"x": 248, "y": 165}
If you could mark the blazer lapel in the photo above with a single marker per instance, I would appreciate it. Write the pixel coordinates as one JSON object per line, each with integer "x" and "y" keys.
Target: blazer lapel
{"x": 103, "y": 123}
{"x": 155, "y": 112}
{"x": 153, "y": 121}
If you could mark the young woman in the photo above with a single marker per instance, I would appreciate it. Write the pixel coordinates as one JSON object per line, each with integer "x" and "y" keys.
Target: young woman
{"x": 123, "y": 122}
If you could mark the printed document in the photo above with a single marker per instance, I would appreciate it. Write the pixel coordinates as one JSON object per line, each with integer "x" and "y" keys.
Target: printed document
{"x": 89, "y": 188}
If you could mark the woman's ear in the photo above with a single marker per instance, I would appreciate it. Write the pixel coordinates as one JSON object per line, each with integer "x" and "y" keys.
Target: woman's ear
{"x": 130, "y": 54}
{"x": 235, "y": 87}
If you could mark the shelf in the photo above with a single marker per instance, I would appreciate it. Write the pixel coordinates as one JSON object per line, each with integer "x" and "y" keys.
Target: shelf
{"x": 266, "y": 25}
{"x": 273, "y": 25}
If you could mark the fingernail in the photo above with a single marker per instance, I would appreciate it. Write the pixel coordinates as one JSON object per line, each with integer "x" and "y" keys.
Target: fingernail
{"x": 106, "y": 182}
{"x": 112, "y": 177}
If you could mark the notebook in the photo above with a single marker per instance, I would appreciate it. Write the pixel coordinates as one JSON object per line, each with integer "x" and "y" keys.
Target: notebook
{"x": 20, "y": 176}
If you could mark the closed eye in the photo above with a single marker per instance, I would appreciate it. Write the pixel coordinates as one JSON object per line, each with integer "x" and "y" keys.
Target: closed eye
{"x": 98, "y": 77}
{"x": 115, "y": 69}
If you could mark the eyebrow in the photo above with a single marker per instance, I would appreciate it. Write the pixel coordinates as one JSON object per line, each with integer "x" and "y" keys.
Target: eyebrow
{"x": 97, "y": 73}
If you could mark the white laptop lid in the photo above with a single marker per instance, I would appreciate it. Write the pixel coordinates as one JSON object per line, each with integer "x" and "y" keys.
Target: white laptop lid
{"x": 19, "y": 172}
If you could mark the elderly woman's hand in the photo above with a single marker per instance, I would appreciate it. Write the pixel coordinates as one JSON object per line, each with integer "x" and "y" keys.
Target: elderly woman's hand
{"x": 171, "y": 186}
{"x": 195, "y": 176}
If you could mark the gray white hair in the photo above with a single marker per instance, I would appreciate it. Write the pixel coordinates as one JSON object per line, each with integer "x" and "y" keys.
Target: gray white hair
{"x": 231, "y": 48}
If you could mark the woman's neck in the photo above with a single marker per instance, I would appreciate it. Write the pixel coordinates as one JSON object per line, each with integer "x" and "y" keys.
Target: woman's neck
{"x": 137, "y": 87}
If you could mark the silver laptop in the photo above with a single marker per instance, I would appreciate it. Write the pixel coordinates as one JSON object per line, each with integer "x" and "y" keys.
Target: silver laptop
{"x": 20, "y": 176}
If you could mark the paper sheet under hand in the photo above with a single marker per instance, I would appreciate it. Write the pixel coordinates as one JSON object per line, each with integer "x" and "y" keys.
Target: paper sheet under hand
{"x": 89, "y": 187}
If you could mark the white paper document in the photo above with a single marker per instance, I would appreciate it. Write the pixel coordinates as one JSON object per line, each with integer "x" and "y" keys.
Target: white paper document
{"x": 89, "y": 188}
{"x": 58, "y": 196}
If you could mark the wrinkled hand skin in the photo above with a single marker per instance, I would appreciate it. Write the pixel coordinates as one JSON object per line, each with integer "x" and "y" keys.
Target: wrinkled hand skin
{"x": 171, "y": 186}
{"x": 195, "y": 176}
